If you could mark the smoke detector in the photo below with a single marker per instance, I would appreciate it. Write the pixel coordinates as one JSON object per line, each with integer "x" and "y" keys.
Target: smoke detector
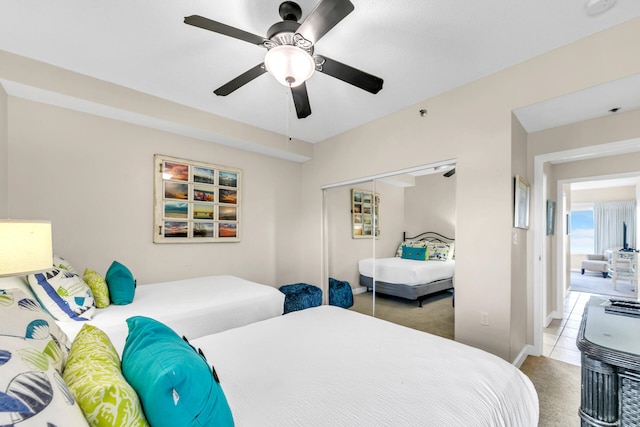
{"x": 596, "y": 7}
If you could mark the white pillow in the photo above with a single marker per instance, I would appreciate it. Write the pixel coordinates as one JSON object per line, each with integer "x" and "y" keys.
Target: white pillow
{"x": 24, "y": 318}
{"x": 62, "y": 292}
{"x": 19, "y": 282}
{"x": 440, "y": 251}
{"x": 34, "y": 393}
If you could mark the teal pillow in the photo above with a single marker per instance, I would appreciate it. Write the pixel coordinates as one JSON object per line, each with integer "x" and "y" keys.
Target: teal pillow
{"x": 121, "y": 284}
{"x": 414, "y": 253}
{"x": 175, "y": 384}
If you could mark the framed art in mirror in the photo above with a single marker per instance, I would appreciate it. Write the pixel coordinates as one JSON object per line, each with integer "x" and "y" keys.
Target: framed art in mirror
{"x": 365, "y": 214}
{"x": 195, "y": 202}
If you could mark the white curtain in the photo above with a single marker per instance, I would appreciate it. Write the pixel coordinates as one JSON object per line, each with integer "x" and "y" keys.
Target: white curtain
{"x": 608, "y": 219}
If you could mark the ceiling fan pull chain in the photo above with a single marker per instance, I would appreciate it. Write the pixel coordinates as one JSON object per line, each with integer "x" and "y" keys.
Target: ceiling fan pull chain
{"x": 289, "y": 101}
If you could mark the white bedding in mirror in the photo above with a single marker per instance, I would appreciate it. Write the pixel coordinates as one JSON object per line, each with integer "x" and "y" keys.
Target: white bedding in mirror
{"x": 327, "y": 366}
{"x": 406, "y": 271}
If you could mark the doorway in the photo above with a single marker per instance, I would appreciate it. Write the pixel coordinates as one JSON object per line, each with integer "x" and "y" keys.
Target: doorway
{"x": 548, "y": 282}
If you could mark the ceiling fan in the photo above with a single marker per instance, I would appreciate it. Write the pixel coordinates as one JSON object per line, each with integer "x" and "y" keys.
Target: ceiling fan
{"x": 290, "y": 54}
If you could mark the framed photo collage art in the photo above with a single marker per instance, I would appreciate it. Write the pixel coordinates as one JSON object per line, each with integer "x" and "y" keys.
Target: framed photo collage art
{"x": 365, "y": 212}
{"x": 195, "y": 202}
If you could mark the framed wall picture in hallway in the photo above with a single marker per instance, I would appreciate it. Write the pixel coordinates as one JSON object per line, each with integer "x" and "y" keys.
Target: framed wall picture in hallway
{"x": 521, "y": 203}
{"x": 551, "y": 217}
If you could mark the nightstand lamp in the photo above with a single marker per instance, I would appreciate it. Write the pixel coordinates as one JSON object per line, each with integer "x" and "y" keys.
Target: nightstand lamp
{"x": 25, "y": 247}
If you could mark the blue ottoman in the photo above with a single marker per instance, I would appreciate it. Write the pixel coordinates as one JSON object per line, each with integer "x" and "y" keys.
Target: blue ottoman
{"x": 299, "y": 296}
{"x": 340, "y": 293}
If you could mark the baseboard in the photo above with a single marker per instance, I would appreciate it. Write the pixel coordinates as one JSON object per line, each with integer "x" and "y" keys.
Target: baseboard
{"x": 360, "y": 290}
{"x": 526, "y": 351}
{"x": 552, "y": 316}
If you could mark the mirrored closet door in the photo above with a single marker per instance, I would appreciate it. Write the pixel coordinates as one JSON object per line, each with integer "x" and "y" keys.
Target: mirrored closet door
{"x": 365, "y": 225}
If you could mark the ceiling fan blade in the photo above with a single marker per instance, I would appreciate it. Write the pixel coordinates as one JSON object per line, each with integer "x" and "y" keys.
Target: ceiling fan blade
{"x": 217, "y": 27}
{"x": 348, "y": 74}
{"x": 301, "y": 100}
{"x": 326, "y": 15}
{"x": 241, "y": 80}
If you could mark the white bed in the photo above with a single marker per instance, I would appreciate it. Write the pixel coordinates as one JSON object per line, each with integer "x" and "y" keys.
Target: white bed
{"x": 194, "y": 307}
{"x": 411, "y": 278}
{"x": 327, "y": 366}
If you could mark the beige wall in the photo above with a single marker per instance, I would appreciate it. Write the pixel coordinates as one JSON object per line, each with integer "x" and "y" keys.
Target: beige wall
{"x": 607, "y": 194}
{"x": 550, "y": 243}
{"x": 4, "y": 156}
{"x": 93, "y": 178}
{"x": 473, "y": 125}
{"x": 57, "y": 161}
{"x": 520, "y": 294}
{"x": 431, "y": 205}
{"x": 37, "y": 80}
{"x": 563, "y": 229}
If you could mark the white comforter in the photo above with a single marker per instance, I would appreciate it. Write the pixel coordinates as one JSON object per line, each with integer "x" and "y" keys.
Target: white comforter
{"x": 328, "y": 366}
{"x": 192, "y": 307}
{"x": 406, "y": 271}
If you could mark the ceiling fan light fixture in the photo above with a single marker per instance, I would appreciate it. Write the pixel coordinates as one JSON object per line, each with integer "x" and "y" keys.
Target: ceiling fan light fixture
{"x": 290, "y": 65}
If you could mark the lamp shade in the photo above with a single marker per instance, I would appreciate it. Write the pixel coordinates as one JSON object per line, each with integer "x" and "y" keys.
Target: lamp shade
{"x": 290, "y": 65}
{"x": 25, "y": 247}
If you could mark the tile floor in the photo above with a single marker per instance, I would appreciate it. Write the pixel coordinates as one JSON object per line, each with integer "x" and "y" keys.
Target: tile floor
{"x": 559, "y": 338}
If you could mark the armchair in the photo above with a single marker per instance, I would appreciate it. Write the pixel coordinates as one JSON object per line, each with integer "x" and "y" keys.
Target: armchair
{"x": 596, "y": 262}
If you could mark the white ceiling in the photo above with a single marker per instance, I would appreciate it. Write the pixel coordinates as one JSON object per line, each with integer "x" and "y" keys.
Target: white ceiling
{"x": 419, "y": 48}
{"x": 622, "y": 95}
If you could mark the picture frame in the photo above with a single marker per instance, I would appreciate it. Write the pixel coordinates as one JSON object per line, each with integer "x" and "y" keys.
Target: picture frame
{"x": 551, "y": 217}
{"x": 521, "y": 203}
{"x": 195, "y": 202}
{"x": 365, "y": 214}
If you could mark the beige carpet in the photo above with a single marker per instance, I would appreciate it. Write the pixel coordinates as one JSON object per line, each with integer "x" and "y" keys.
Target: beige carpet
{"x": 558, "y": 387}
{"x": 436, "y": 315}
{"x": 557, "y": 383}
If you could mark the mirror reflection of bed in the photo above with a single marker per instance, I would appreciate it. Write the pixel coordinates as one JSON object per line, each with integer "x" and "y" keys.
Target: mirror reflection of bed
{"x": 423, "y": 265}
{"x": 411, "y": 204}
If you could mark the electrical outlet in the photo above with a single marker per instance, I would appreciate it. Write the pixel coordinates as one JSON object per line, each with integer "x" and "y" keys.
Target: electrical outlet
{"x": 484, "y": 318}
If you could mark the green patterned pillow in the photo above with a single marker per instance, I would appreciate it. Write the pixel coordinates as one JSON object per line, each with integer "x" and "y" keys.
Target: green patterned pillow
{"x": 440, "y": 251}
{"x": 98, "y": 286}
{"x": 94, "y": 377}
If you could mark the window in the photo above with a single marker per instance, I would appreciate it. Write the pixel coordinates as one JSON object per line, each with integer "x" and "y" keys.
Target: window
{"x": 581, "y": 232}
